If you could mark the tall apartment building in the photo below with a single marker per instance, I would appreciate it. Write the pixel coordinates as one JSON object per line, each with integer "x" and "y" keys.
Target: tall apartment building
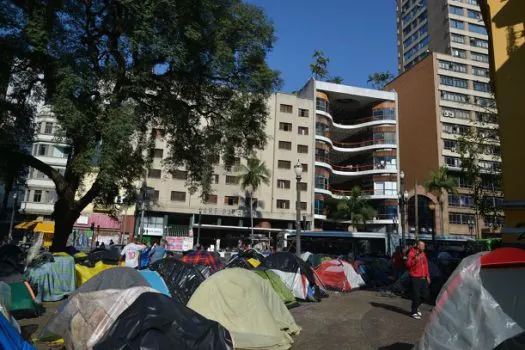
{"x": 444, "y": 91}
{"x": 355, "y": 145}
{"x": 290, "y": 129}
{"x": 342, "y": 136}
{"x": 40, "y": 195}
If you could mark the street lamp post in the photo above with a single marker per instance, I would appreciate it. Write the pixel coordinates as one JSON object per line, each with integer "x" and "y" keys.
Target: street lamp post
{"x": 432, "y": 208}
{"x": 10, "y": 236}
{"x": 394, "y": 220}
{"x": 298, "y": 175}
{"x": 199, "y": 227}
{"x": 402, "y": 199}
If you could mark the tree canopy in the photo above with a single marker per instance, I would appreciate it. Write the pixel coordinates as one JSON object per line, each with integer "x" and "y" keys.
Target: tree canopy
{"x": 355, "y": 207}
{"x": 319, "y": 67}
{"x": 113, "y": 72}
{"x": 440, "y": 182}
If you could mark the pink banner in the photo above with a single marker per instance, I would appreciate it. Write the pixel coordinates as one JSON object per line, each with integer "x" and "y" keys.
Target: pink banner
{"x": 179, "y": 243}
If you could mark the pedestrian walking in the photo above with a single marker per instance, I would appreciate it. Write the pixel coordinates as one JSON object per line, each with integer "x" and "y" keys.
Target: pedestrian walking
{"x": 417, "y": 266}
{"x": 157, "y": 252}
{"x": 131, "y": 254}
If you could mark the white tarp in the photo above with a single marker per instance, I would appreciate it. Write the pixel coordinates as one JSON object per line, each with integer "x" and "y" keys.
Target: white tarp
{"x": 295, "y": 282}
{"x": 86, "y": 317}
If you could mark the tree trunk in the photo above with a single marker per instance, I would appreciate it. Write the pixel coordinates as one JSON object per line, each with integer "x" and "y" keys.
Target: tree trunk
{"x": 442, "y": 210}
{"x": 251, "y": 218}
{"x": 65, "y": 217}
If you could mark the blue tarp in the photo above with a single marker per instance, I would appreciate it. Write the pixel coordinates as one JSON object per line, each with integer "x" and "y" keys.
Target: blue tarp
{"x": 9, "y": 337}
{"x": 155, "y": 281}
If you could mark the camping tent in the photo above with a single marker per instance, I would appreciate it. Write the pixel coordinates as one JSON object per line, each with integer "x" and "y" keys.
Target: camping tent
{"x": 202, "y": 257}
{"x": 10, "y": 338}
{"x": 155, "y": 281}
{"x": 154, "y": 321}
{"x": 278, "y": 286}
{"x": 481, "y": 305}
{"x": 249, "y": 259}
{"x": 248, "y": 307}
{"x": 339, "y": 275}
{"x": 296, "y": 275}
{"x": 182, "y": 279}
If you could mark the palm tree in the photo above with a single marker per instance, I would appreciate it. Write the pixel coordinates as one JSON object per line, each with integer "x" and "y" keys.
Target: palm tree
{"x": 438, "y": 184}
{"x": 355, "y": 207}
{"x": 378, "y": 80}
{"x": 251, "y": 177}
{"x": 319, "y": 67}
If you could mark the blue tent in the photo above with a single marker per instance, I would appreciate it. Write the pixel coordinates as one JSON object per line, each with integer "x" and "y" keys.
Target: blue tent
{"x": 155, "y": 281}
{"x": 9, "y": 337}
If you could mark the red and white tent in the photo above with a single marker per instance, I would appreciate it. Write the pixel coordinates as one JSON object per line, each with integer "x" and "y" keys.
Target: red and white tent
{"x": 339, "y": 275}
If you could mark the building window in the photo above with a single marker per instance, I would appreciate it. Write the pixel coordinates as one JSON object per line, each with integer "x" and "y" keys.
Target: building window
{"x": 212, "y": 199}
{"x": 303, "y": 186}
{"x": 455, "y": 67}
{"x": 303, "y": 205}
{"x": 178, "y": 196}
{"x": 453, "y": 162}
{"x": 37, "y": 196}
{"x": 451, "y": 145}
{"x": 284, "y": 164}
{"x": 474, "y": 28}
{"x": 48, "y": 128}
{"x": 459, "y": 53}
{"x": 456, "y": 129}
{"x": 302, "y": 130}
{"x": 154, "y": 173}
{"x": 456, "y": 113}
{"x": 485, "y": 102}
{"x": 479, "y": 57}
{"x": 285, "y": 126}
{"x": 283, "y": 204}
{"x": 482, "y": 72}
{"x": 474, "y": 14}
{"x": 302, "y": 149}
{"x": 457, "y": 24}
{"x": 42, "y": 150}
{"x": 456, "y": 82}
{"x": 158, "y": 153}
{"x": 303, "y": 113}
{"x": 231, "y": 200}
{"x": 305, "y": 167}
{"x": 454, "y": 97}
{"x": 460, "y": 218}
{"x": 481, "y": 87}
{"x": 462, "y": 201}
{"x": 156, "y": 196}
{"x": 158, "y": 133}
{"x": 455, "y": 10}
{"x": 286, "y": 108}
{"x": 479, "y": 43}
{"x": 283, "y": 184}
{"x": 472, "y": 2}
{"x": 285, "y": 145}
{"x": 215, "y": 179}
{"x": 231, "y": 180}
{"x": 486, "y": 118}
{"x": 457, "y": 38}
{"x": 180, "y": 174}
{"x": 322, "y": 105}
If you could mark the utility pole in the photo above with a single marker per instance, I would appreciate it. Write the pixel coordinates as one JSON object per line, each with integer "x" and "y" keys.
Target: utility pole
{"x": 416, "y": 210}
{"x": 199, "y": 227}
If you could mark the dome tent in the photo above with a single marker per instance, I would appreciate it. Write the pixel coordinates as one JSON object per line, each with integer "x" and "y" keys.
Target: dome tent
{"x": 339, "y": 275}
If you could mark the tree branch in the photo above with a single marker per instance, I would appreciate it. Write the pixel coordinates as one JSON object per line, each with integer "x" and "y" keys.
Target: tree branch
{"x": 88, "y": 197}
{"x": 36, "y": 163}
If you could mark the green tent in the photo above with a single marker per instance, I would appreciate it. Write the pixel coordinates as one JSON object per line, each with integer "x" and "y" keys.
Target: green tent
{"x": 22, "y": 303}
{"x": 279, "y": 287}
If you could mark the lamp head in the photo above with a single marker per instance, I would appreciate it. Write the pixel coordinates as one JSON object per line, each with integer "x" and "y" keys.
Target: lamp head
{"x": 405, "y": 195}
{"x": 298, "y": 168}
{"x": 401, "y": 174}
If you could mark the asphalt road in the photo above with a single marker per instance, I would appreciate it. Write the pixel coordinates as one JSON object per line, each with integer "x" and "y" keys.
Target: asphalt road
{"x": 358, "y": 320}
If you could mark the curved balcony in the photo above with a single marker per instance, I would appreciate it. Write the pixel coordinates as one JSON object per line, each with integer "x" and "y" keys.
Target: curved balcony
{"x": 365, "y": 145}
{"x": 373, "y": 194}
{"x": 361, "y": 122}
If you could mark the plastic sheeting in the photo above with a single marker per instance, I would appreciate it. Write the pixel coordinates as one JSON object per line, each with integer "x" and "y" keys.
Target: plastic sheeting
{"x": 182, "y": 279}
{"x": 467, "y": 316}
{"x": 155, "y": 321}
{"x": 53, "y": 280}
{"x": 248, "y": 307}
{"x": 10, "y": 338}
{"x": 155, "y": 281}
{"x": 87, "y": 317}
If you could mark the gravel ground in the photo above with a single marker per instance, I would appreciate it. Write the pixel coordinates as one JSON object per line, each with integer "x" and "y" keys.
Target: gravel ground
{"x": 360, "y": 320}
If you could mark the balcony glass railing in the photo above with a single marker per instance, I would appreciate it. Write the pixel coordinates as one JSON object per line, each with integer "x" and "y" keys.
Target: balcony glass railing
{"x": 364, "y": 143}
{"x": 377, "y": 192}
{"x": 352, "y": 121}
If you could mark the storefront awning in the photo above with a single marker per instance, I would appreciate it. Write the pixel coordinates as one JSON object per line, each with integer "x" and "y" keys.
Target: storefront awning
{"x": 45, "y": 227}
{"x": 27, "y": 224}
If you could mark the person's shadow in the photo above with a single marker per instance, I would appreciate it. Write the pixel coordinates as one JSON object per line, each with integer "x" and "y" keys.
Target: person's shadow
{"x": 391, "y": 308}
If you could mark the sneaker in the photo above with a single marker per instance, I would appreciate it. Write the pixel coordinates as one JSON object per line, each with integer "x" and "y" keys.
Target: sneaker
{"x": 419, "y": 313}
{"x": 416, "y": 316}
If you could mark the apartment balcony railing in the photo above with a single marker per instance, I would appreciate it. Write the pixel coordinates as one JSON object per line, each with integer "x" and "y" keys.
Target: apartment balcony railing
{"x": 364, "y": 143}
{"x": 377, "y": 192}
{"x": 324, "y": 133}
{"x": 351, "y": 168}
{"x": 342, "y": 121}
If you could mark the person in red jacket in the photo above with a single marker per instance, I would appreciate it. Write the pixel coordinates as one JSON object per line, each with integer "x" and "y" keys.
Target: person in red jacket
{"x": 417, "y": 266}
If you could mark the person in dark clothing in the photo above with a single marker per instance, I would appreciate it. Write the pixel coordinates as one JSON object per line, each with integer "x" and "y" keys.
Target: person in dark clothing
{"x": 111, "y": 242}
{"x": 417, "y": 266}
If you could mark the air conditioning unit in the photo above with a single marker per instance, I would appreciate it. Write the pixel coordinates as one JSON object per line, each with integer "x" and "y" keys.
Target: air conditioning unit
{"x": 448, "y": 114}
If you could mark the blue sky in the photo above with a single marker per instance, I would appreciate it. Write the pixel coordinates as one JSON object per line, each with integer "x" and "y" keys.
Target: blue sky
{"x": 359, "y": 37}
